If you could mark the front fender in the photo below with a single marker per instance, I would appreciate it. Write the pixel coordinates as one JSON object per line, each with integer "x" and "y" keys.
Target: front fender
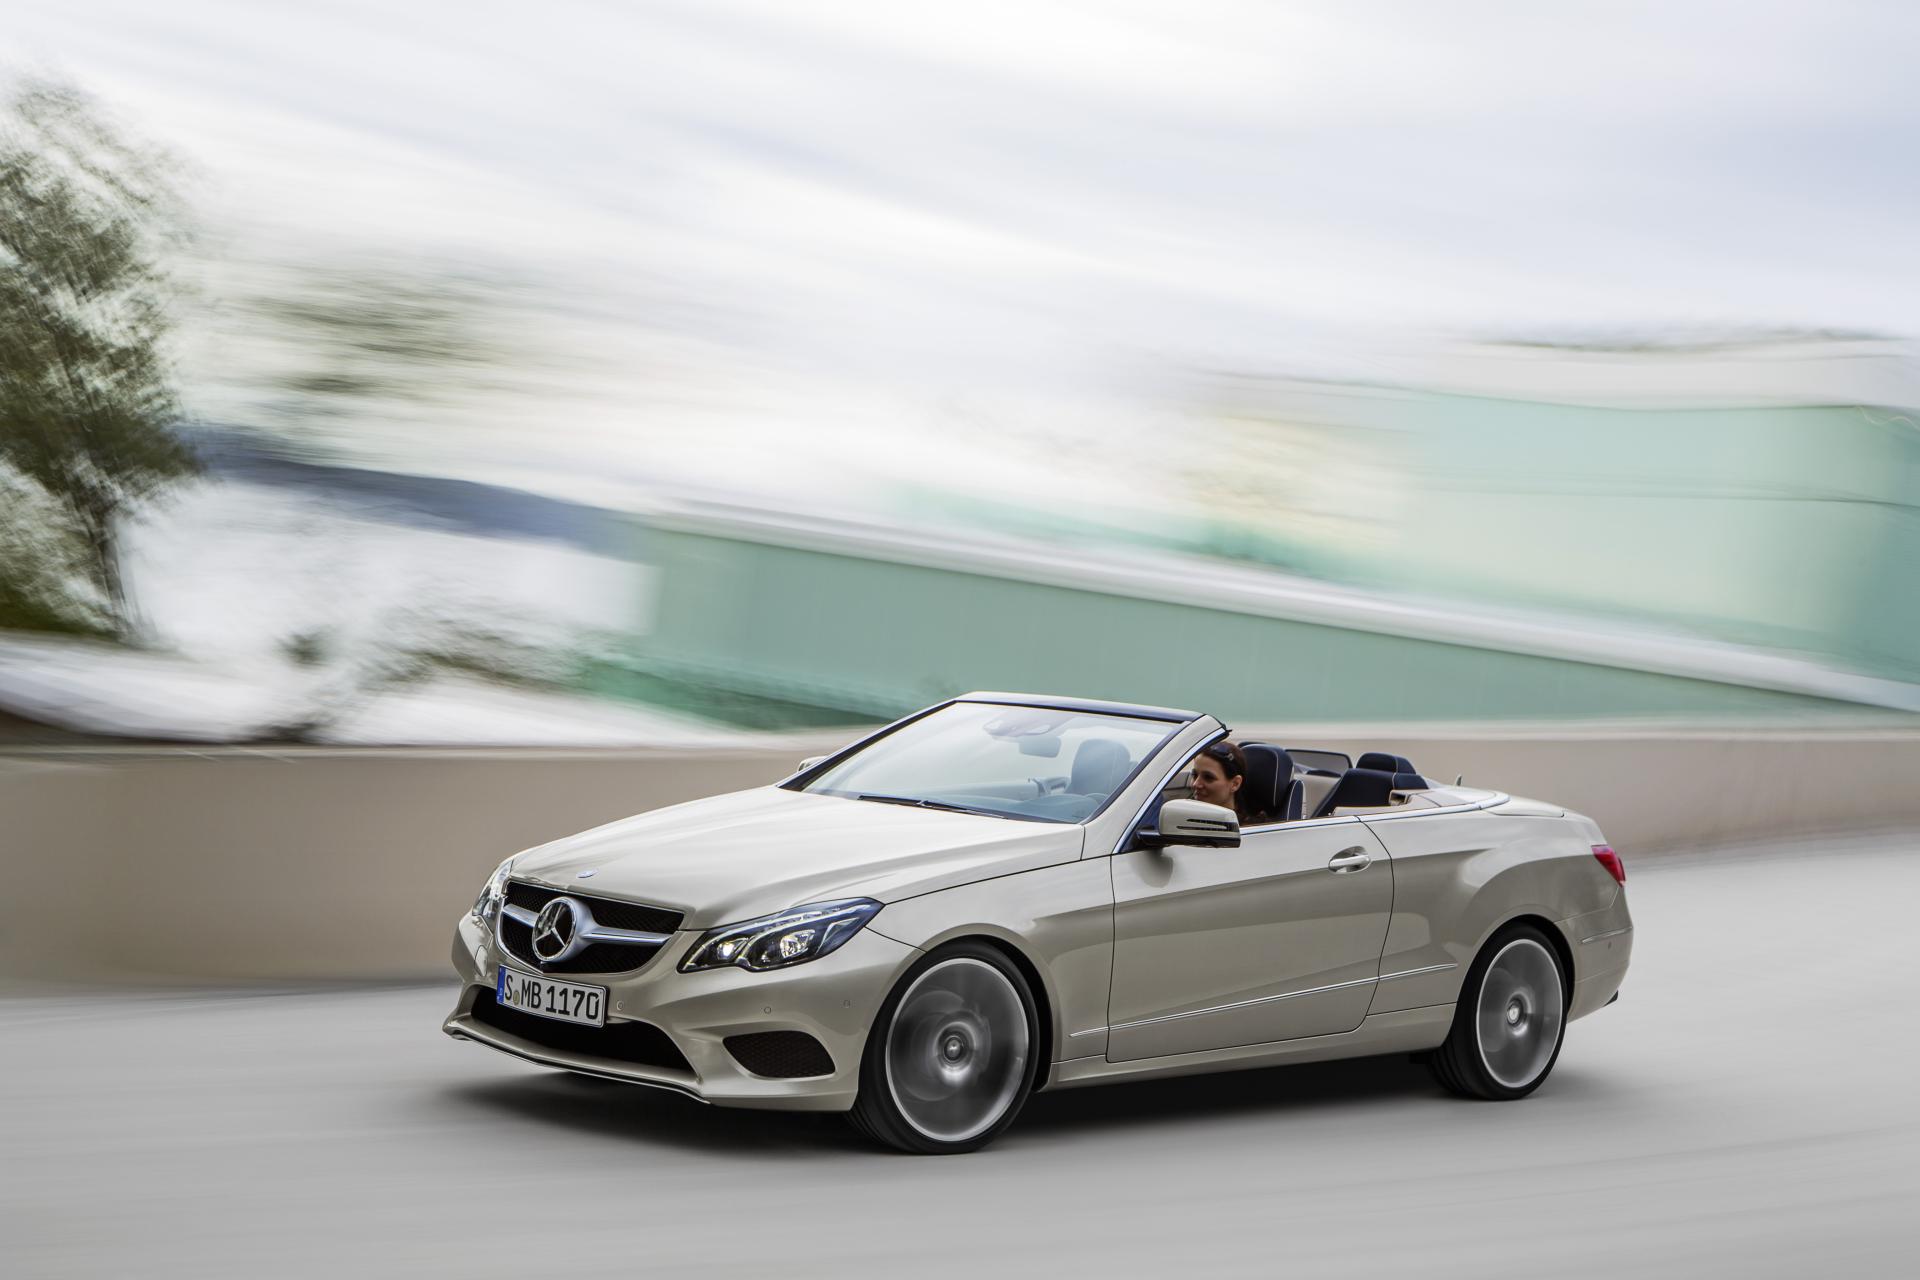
{"x": 1060, "y": 919}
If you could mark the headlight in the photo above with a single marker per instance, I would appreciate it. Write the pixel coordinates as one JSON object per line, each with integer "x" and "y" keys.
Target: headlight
{"x": 773, "y": 942}
{"x": 487, "y": 905}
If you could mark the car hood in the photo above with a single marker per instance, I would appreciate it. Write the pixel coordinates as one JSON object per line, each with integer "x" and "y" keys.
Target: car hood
{"x": 733, "y": 857}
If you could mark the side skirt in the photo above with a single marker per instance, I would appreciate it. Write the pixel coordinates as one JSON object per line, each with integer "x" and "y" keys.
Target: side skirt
{"x": 1402, "y": 1031}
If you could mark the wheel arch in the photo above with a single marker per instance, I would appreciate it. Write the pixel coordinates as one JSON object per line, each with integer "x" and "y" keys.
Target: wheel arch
{"x": 1044, "y": 1005}
{"x": 1556, "y": 938}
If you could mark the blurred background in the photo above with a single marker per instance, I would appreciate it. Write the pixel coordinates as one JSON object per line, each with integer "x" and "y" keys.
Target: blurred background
{"x": 716, "y": 360}
{"x": 428, "y": 430}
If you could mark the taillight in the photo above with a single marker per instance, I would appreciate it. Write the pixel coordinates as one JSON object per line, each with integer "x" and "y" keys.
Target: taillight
{"x": 1611, "y": 861}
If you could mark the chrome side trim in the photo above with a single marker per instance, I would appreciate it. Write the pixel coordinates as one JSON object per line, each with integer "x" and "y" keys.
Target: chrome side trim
{"x": 1602, "y": 937}
{"x": 1497, "y": 798}
{"x": 1285, "y": 995}
{"x": 1244, "y": 1004}
{"x": 1414, "y": 973}
{"x": 1300, "y": 823}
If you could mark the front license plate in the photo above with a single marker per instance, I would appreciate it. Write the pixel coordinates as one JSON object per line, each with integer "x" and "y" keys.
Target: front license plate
{"x": 563, "y": 1001}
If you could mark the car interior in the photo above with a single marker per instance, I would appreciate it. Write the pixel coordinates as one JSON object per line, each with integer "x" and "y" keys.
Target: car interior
{"x": 1097, "y": 768}
{"x": 1289, "y": 784}
{"x": 1284, "y": 784}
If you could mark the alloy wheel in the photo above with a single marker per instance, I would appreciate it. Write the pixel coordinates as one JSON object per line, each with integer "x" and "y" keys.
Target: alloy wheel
{"x": 957, "y": 1050}
{"x": 1518, "y": 1018}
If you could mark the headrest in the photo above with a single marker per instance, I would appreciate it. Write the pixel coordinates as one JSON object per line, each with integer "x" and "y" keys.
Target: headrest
{"x": 1098, "y": 767}
{"x": 1269, "y": 778}
{"x": 1384, "y": 763}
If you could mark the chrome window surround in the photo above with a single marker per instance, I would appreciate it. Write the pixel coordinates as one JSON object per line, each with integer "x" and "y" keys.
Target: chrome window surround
{"x": 1133, "y": 827}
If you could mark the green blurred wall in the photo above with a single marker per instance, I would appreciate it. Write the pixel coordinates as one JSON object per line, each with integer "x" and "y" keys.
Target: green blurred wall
{"x": 1789, "y": 531}
{"x": 1793, "y": 528}
{"x": 879, "y": 636}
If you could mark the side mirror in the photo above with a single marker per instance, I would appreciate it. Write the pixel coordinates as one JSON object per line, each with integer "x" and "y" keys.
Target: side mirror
{"x": 808, "y": 763}
{"x": 1194, "y": 822}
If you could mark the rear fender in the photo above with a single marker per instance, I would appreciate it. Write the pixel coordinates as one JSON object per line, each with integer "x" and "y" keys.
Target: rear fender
{"x": 1459, "y": 878}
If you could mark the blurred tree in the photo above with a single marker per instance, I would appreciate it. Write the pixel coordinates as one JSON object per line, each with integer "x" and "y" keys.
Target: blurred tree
{"x": 368, "y": 334}
{"x": 40, "y": 561}
{"x": 354, "y": 348}
{"x": 87, "y": 402}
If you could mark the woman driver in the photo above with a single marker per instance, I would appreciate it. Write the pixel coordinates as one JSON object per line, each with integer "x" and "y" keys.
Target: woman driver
{"x": 1219, "y": 772}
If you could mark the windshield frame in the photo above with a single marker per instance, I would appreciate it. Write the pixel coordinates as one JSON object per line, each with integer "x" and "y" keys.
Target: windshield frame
{"x": 1175, "y": 722}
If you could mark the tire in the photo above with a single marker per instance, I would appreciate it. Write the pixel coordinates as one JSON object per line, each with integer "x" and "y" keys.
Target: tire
{"x": 1510, "y": 1021}
{"x": 952, "y": 1055}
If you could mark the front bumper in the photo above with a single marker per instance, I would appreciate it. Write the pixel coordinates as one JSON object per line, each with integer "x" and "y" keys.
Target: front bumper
{"x": 833, "y": 999}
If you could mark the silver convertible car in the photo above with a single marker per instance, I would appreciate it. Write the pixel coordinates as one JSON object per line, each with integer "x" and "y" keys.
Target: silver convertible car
{"x": 1006, "y": 892}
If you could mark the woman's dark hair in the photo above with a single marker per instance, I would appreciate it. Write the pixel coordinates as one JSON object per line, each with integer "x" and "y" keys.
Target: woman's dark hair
{"x": 1233, "y": 762}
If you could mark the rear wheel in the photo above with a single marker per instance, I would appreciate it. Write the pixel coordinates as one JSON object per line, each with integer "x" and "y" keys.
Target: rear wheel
{"x": 952, "y": 1055}
{"x": 1510, "y": 1021}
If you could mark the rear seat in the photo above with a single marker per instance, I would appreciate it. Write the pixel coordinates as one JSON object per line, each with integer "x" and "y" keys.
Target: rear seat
{"x": 1370, "y": 784}
{"x": 1284, "y": 792}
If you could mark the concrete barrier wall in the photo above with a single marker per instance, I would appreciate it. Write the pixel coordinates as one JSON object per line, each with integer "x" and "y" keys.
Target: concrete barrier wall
{"x": 228, "y": 865}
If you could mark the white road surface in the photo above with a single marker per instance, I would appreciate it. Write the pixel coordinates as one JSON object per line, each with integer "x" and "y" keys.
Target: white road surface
{"x": 1748, "y": 1109}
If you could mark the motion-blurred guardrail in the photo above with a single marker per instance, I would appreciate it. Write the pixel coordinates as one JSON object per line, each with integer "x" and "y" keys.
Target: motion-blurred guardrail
{"x": 231, "y": 864}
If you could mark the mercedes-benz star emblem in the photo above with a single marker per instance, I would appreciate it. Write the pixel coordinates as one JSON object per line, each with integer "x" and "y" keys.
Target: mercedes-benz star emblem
{"x": 554, "y": 930}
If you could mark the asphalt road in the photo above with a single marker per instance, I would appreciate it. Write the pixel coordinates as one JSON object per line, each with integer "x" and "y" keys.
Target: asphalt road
{"x": 1747, "y": 1109}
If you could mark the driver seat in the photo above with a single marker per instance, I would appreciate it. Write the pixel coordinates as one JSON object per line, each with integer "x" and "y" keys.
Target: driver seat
{"x": 1273, "y": 793}
{"x": 1099, "y": 767}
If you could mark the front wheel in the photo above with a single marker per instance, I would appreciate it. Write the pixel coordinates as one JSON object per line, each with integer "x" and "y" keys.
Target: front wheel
{"x": 1510, "y": 1022}
{"x": 952, "y": 1055}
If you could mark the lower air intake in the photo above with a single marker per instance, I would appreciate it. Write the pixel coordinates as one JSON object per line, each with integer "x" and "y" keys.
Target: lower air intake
{"x": 781, "y": 1055}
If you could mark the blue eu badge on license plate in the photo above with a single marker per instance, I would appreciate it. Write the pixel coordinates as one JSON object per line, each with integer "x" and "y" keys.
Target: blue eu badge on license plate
{"x": 500, "y": 985}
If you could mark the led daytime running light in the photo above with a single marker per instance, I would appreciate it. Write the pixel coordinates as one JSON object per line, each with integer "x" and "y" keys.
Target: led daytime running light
{"x": 773, "y": 942}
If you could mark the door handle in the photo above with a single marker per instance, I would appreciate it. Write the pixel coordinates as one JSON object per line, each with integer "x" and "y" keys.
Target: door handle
{"x": 1349, "y": 860}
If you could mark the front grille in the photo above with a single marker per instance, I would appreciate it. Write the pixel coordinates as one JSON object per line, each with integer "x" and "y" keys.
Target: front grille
{"x": 598, "y": 957}
{"x": 781, "y": 1055}
{"x": 608, "y": 911}
{"x": 640, "y": 1043}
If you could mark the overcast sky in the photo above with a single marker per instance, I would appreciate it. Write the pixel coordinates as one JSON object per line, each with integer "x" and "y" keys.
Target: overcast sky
{"x": 998, "y": 192}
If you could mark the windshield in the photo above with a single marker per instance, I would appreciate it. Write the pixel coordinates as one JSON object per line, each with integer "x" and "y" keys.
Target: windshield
{"x": 1037, "y": 763}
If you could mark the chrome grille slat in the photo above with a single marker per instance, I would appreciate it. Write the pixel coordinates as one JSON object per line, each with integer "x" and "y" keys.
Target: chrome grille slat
{"x": 609, "y": 911}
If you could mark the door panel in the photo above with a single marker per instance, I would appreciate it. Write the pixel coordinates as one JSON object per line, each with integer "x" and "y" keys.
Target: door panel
{"x": 1215, "y": 948}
